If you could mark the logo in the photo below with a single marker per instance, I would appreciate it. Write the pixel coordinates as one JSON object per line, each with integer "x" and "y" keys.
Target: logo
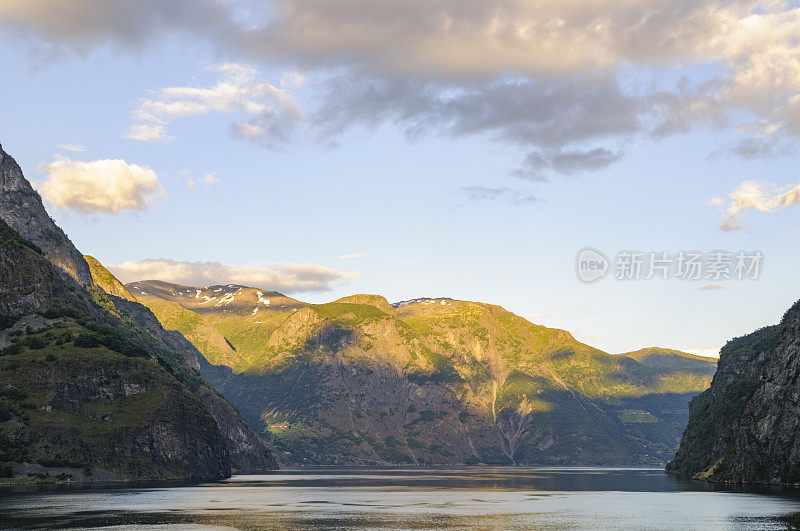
{"x": 591, "y": 265}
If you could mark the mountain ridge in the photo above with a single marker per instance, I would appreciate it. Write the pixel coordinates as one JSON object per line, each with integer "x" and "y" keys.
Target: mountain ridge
{"x": 376, "y": 379}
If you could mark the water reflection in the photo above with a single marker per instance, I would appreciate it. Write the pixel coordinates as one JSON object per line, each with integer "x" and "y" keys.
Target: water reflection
{"x": 485, "y": 498}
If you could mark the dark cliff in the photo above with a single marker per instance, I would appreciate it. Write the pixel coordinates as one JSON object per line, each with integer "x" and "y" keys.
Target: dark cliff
{"x": 91, "y": 386}
{"x": 744, "y": 428}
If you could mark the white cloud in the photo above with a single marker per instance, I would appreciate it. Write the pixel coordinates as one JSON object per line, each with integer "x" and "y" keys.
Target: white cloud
{"x": 754, "y": 195}
{"x": 713, "y": 286}
{"x": 210, "y": 178}
{"x": 151, "y": 133}
{"x": 106, "y": 185}
{"x": 72, "y": 147}
{"x": 352, "y": 256}
{"x": 287, "y": 278}
{"x": 268, "y": 113}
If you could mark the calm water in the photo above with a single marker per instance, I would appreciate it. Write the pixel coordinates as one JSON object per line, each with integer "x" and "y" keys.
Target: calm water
{"x": 484, "y": 498}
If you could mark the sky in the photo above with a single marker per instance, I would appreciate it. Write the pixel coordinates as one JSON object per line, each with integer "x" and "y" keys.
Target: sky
{"x": 425, "y": 148}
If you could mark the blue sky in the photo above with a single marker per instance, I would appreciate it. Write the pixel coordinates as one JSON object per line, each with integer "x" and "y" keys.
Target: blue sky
{"x": 411, "y": 194}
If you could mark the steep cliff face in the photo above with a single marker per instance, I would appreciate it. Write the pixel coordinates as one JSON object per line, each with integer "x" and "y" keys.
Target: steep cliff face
{"x": 91, "y": 385}
{"x": 715, "y": 413}
{"x": 745, "y": 428}
{"x": 84, "y": 396}
{"x": 21, "y": 208}
{"x": 766, "y": 447}
{"x": 248, "y": 453}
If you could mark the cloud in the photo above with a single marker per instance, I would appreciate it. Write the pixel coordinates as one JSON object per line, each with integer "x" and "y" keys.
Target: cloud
{"x": 753, "y": 195}
{"x": 461, "y": 61}
{"x": 84, "y": 25}
{"x": 754, "y": 148}
{"x": 287, "y": 278}
{"x": 106, "y": 185}
{"x": 269, "y": 114}
{"x": 542, "y": 116}
{"x": 72, "y": 147}
{"x": 712, "y": 286}
{"x": 566, "y": 162}
{"x": 151, "y": 133}
{"x": 352, "y": 256}
{"x": 484, "y": 193}
{"x": 549, "y": 76}
{"x": 210, "y": 178}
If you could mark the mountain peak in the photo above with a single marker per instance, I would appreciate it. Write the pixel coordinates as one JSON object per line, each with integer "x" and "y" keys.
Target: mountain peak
{"x": 372, "y": 300}
{"x": 105, "y": 280}
{"x": 22, "y": 209}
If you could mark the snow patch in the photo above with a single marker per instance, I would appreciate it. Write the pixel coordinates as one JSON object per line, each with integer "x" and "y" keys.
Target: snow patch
{"x": 262, "y": 299}
{"x": 226, "y": 299}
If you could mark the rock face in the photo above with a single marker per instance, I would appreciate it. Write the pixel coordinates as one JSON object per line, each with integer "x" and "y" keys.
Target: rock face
{"x": 81, "y": 394}
{"x": 247, "y": 452}
{"x": 745, "y": 428}
{"x": 429, "y": 381}
{"x": 91, "y": 385}
{"x": 21, "y": 208}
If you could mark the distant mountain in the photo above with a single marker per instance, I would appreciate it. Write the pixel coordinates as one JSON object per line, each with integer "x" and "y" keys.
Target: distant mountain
{"x": 744, "y": 427}
{"x": 663, "y": 358}
{"x": 92, "y": 388}
{"x": 427, "y": 381}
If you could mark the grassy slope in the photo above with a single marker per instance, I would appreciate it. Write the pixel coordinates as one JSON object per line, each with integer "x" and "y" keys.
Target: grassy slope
{"x": 103, "y": 278}
{"x": 484, "y": 361}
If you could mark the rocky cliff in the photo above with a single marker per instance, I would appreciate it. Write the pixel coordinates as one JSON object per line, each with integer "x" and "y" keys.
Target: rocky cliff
{"x": 744, "y": 428}
{"x": 92, "y": 387}
{"x": 22, "y": 209}
{"x": 248, "y": 453}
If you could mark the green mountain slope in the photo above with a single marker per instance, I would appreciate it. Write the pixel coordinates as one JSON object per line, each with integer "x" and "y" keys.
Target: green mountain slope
{"x": 104, "y": 280}
{"x": 427, "y": 381}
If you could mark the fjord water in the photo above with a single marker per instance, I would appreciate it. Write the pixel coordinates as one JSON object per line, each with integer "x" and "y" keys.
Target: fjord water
{"x": 480, "y": 498}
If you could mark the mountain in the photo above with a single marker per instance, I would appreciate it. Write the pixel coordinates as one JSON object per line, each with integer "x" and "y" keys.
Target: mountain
{"x": 22, "y": 209}
{"x": 427, "y": 381}
{"x": 744, "y": 428}
{"x": 663, "y": 358}
{"x": 92, "y": 388}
